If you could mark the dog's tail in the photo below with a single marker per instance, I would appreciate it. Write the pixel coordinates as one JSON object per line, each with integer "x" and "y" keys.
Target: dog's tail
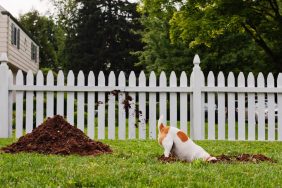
{"x": 160, "y": 123}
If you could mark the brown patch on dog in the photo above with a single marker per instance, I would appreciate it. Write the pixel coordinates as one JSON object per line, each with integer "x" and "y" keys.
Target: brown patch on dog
{"x": 183, "y": 137}
{"x": 163, "y": 132}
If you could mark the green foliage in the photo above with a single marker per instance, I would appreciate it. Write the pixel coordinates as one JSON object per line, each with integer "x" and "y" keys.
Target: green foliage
{"x": 101, "y": 35}
{"x": 50, "y": 36}
{"x": 229, "y": 35}
{"x": 134, "y": 164}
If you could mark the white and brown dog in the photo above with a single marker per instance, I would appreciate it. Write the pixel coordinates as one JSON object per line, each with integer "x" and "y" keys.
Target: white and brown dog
{"x": 179, "y": 144}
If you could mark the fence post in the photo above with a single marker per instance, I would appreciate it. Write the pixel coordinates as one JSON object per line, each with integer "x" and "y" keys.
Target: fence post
{"x": 4, "y": 96}
{"x": 197, "y": 81}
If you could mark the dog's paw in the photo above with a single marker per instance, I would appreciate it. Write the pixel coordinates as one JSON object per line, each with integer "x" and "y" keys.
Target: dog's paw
{"x": 212, "y": 159}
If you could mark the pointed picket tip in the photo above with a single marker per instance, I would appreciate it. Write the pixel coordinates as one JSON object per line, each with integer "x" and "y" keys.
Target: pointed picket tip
{"x": 260, "y": 80}
{"x": 172, "y": 75}
{"x": 241, "y": 80}
{"x": 70, "y": 78}
{"x": 91, "y": 79}
{"x": 50, "y": 78}
{"x": 196, "y": 60}
{"x": 39, "y": 74}
{"x": 29, "y": 78}
{"x": 152, "y": 79}
{"x": 112, "y": 75}
{"x": 132, "y": 79}
{"x": 60, "y": 78}
{"x": 270, "y": 80}
{"x": 112, "y": 79}
{"x": 39, "y": 78}
{"x": 80, "y": 78}
{"x": 172, "y": 79}
{"x": 152, "y": 75}
{"x": 142, "y": 79}
{"x": 163, "y": 75}
{"x": 221, "y": 79}
{"x": 211, "y": 79}
{"x": 19, "y": 78}
{"x": 279, "y": 80}
{"x": 101, "y": 78}
{"x": 163, "y": 81}
{"x": 231, "y": 79}
{"x": 60, "y": 74}
{"x": 251, "y": 80}
{"x": 132, "y": 75}
{"x": 183, "y": 79}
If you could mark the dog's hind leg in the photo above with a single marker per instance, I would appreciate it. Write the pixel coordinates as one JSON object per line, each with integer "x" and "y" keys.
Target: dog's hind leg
{"x": 167, "y": 144}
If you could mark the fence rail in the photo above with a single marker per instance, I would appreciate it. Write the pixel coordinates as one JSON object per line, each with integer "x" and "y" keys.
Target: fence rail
{"x": 223, "y": 108}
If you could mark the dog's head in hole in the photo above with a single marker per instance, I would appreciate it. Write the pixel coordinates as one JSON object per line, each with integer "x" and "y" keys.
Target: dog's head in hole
{"x": 176, "y": 142}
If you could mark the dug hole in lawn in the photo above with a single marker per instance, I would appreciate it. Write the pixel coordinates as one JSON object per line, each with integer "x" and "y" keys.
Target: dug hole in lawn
{"x": 250, "y": 158}
{"x": 57, "y": 136}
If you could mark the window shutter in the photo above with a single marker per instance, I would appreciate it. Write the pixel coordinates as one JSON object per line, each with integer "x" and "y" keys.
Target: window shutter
{"x": 35, "y": 53}
{"x": 12, "y": 33}
{"x": 18, "y": 38}
{"x": 15, "y": 36}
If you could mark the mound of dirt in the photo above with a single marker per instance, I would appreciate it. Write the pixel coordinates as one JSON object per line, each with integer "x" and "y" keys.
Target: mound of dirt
{"x": 57, "y": 136}
{"x": 226, "y": 159}
{"x": 253, "y": 158}
{"x": 169, "y": 159}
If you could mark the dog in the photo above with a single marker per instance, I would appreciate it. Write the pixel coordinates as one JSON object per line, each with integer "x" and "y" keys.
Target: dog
{"x": 176, "y": 142}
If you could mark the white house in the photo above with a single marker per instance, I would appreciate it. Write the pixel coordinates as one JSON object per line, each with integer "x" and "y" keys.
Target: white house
{"x": 19, "y": 45}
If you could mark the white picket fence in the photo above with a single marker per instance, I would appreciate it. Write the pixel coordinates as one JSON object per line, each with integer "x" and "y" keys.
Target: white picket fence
{"x": 205, "y": 109}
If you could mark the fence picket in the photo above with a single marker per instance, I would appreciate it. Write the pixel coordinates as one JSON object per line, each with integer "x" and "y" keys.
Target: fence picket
{"x": 70, "y": 99}
{"x": 11, "y": 101}
{"x": 19, "y": 105}
{"x": 221, "y": 107}
{"x": 231, "y": 108}
{"x": 183, "y": 103}
{"x": 50, "y": 95}
{"x": 142, "y": 107}
{"x": 211, "y": 108}
{"x": 251, "y": 109}
{"x": 39, "y": 99}
{"x": 101, "y": 107}
{"x": 121, "y": 110}
{"x": 241, "y": 109}
{"x": 173, "y": 101}
{"x": 152, "y": 107}
{"x": 279, "y": 99}
{"x": 163, "y": 97}
{"x": 261, "y": 108}
{"x": 60, "y": 95}
{"x": 80, "y": 102}
{"x": 270, "y": 107}
{"x": 29, "y": 103}
{"x": 91, "y": 107}
{"x": 131, "y": 113}
{"x": 111, "y": 108}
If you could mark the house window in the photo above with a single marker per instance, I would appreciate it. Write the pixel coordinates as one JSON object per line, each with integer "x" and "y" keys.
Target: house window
{"x": 33, "y": 52}
{"x": 15, "y": 36}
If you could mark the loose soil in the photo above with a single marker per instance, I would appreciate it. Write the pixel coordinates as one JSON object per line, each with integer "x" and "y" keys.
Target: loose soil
{"x": 57, "y": 136}
{"x": 250, "y": 158}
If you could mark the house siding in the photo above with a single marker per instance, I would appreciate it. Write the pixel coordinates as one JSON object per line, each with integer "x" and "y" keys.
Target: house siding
{"x": 21, "y": 58}
{"x": 3, "y": 33}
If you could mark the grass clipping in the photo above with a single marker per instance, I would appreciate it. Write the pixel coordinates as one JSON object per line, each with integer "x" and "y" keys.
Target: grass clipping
{"x": 57, "y": 136}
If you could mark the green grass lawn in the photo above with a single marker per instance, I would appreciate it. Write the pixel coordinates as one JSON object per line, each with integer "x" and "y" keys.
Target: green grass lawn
{"x": 134, "y": 164}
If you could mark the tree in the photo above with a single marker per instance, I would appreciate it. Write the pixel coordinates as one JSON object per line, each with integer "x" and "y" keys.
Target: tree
{"x": 50, "y": 36}
{"x": 203, "y": 22}
{"x": 159, "y": 53}
{"x": 102, "y": 35}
